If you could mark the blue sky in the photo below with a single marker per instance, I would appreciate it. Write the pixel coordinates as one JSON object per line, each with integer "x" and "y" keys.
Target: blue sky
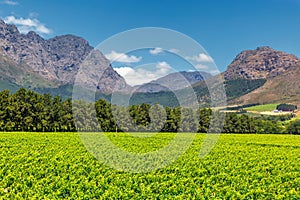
{"x": 223, "y": 28}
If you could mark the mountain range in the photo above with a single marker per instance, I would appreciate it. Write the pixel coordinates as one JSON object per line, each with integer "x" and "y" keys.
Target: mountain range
{"x": 54, "y": 62}
{"x": 263, "y": 75}
{"x": 173, "y": 81}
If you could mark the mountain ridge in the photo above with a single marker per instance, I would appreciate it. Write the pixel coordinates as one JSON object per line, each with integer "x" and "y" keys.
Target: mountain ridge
{"x": 280, "y": 70}
{"x": 29, "y": 60}
{"x": 56, "y": 59}
{"x": 252, "y": 78}
{"x": 173, "y": 81}
{"x": 263, "y": 62}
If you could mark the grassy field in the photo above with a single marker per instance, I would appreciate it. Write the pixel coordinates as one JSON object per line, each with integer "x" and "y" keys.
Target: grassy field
{"x": 57, "y": 165}
{"x": 262, "y": 108}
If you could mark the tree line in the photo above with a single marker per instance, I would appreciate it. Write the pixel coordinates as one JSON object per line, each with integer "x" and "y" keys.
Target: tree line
{"x": 26, "y": 110}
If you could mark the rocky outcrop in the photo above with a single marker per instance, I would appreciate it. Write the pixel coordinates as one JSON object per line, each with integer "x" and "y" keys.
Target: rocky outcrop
{"x": 279, "y": 69}
{"x": 261, "y": 63}
{"x": 57, "y": 59}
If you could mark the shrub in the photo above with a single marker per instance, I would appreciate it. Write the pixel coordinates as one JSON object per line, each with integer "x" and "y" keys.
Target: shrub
{"x": 286, "y": 107}
{"x": 294, "y": 127}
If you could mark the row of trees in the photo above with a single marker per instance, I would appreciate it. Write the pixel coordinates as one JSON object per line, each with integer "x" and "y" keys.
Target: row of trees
{"x": 29, "y": 111}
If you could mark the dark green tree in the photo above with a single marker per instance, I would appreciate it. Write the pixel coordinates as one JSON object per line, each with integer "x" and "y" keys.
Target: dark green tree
{"x": 294, "y": 127}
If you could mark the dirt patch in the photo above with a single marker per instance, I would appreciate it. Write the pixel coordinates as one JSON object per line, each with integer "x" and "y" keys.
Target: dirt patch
{"x": 274, "y": 113}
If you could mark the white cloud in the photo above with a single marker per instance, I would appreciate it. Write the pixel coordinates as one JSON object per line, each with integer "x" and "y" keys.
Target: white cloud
{"x": 141, "y": 75}
{"x": 202, "y": 57}
{"x": 163, "y": 67}
{"x": 9, "y": 2}
{"x": 201, "y": 67}
{"x": 156, "y": 51}
{"x": 26, "y": 25}
{"x": 159, "y": 50}
{"x": 122, "y": 57}
{"x": 208, "y": 69}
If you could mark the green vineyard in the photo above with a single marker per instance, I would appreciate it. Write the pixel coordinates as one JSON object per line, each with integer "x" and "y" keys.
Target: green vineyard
{"x": 57, "y": 165}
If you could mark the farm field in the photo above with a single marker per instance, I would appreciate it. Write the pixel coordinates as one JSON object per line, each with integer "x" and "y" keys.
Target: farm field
{"x": 57, "y": 165}
{"x": 262, "y": 108}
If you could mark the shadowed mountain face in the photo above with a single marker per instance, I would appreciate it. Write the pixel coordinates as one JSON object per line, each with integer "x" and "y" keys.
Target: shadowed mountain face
{"x": 55, "y": 60}
{"x": 284, "y": 88}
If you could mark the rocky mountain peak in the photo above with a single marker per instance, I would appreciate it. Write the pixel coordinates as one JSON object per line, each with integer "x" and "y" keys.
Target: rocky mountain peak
{"x": 8, "y": 30}
{"x": 68, "y": 45}
{"x": 69, "y": 39}
{"x": 263, "y": 62}
{"x": 264, "y": 48}
{"x": 57, "y": 59}
{"x": 34, "y": 36}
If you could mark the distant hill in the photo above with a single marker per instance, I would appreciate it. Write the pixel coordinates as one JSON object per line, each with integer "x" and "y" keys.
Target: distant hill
{"x": 263, "y": 75}
{"x": 261, "y": 63}
{"x": 173, "y": 81}
{"x": 280, "y": 70}
{"x": 284, "y": 88}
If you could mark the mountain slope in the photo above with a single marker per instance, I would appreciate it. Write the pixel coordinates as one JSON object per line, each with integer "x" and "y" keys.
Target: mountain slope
{"x": 261, "y": 63}
{"x": 57, "y": 59}
{"x": 21, "y": 75}
{"x": 284, "y": 88}
{"x": 173, "y": 81}
{"x": 280, "y": 70}
{"x": 262, "y": 75}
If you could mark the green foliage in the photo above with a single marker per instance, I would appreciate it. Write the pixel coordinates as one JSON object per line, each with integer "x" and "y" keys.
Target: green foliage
{"x": 262, "y": 108}
{"x": 173, "y": 120}
{"x": 268, "y": 127}
{"x": 241, "y": 107}
{"x": 29, "y": 111}
{"x": 58, "y": 166}
{"x": 204, "y": 120}
{"x": 294, "y": 127}
{"x": 163, "y": 98}
{"x": 66, "y": 91}
{"x": 277, "y": 118}
{"x": 286, "y": 107}
{"x": 239, "y": 87}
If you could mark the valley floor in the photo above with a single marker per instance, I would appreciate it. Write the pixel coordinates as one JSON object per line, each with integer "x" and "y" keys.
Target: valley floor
{"x": 57, "y": 165}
